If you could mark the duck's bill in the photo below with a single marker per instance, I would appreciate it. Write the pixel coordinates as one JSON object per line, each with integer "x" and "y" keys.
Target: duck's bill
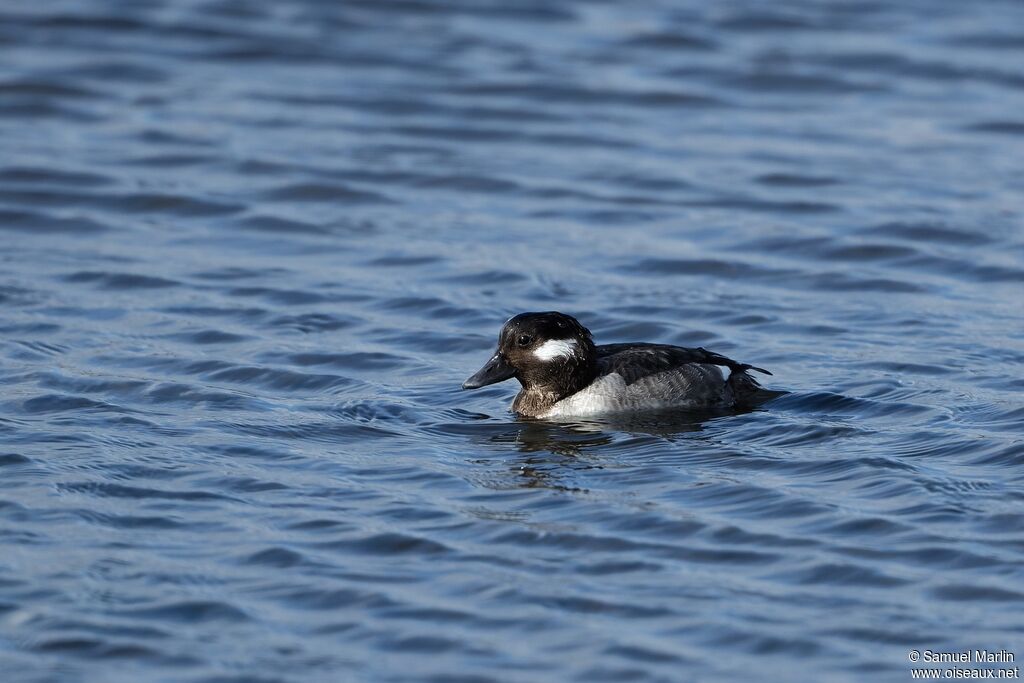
{"x": 495, "y": 370}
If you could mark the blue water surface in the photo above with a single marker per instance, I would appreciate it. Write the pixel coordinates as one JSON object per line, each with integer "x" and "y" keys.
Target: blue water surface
{"x": 249, "y": 251}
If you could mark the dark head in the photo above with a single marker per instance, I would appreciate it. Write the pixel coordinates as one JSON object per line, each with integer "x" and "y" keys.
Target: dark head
{"x": 549, "y": 352}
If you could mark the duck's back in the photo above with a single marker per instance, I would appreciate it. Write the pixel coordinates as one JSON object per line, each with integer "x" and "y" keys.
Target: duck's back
{"x": 633, "y": 377}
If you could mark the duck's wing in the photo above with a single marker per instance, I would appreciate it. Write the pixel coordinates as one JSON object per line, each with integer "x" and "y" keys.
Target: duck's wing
{"x": 634, "y": 362}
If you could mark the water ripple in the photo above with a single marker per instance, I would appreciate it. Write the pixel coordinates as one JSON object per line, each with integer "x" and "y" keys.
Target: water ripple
{"x": 251, "y": 251}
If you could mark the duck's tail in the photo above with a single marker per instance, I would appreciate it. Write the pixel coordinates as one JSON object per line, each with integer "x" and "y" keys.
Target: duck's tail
{"x": 747, "y": 392}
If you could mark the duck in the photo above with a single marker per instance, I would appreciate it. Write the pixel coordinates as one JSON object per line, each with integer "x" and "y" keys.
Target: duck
{"x": 563, "y": 374}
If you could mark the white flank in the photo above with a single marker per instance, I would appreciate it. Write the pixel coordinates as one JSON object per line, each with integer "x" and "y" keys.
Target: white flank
{"x": 602, "y": 396}
{"x": 555, "y": 348}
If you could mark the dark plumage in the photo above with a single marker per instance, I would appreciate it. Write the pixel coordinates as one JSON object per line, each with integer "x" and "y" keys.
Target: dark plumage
{"x": 638, "y": 360}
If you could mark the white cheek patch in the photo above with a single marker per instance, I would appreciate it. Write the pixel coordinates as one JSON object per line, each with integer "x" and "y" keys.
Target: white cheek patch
{"x": 555, "y": 348}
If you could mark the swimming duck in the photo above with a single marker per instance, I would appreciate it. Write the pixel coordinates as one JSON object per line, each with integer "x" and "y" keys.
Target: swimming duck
{"x": 564, "y": 374}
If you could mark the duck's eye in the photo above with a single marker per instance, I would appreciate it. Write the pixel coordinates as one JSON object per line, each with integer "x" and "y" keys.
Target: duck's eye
{"x": 524, "y": 340}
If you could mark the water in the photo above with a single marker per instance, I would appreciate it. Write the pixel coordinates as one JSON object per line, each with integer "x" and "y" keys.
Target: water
{"x": 250, "y": 251}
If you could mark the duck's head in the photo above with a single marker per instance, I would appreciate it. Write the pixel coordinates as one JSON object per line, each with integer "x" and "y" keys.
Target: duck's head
{"x": 549, "y": 352}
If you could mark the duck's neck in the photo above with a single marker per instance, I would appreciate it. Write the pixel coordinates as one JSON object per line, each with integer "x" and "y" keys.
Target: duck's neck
{"x": 534, "y": 402}
{"x": 542, "y": 391}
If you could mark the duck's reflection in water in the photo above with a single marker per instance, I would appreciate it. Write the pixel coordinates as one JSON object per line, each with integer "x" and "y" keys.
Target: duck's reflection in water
{"x": 571, "y": 437}
{"x": 550, "y": 452}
